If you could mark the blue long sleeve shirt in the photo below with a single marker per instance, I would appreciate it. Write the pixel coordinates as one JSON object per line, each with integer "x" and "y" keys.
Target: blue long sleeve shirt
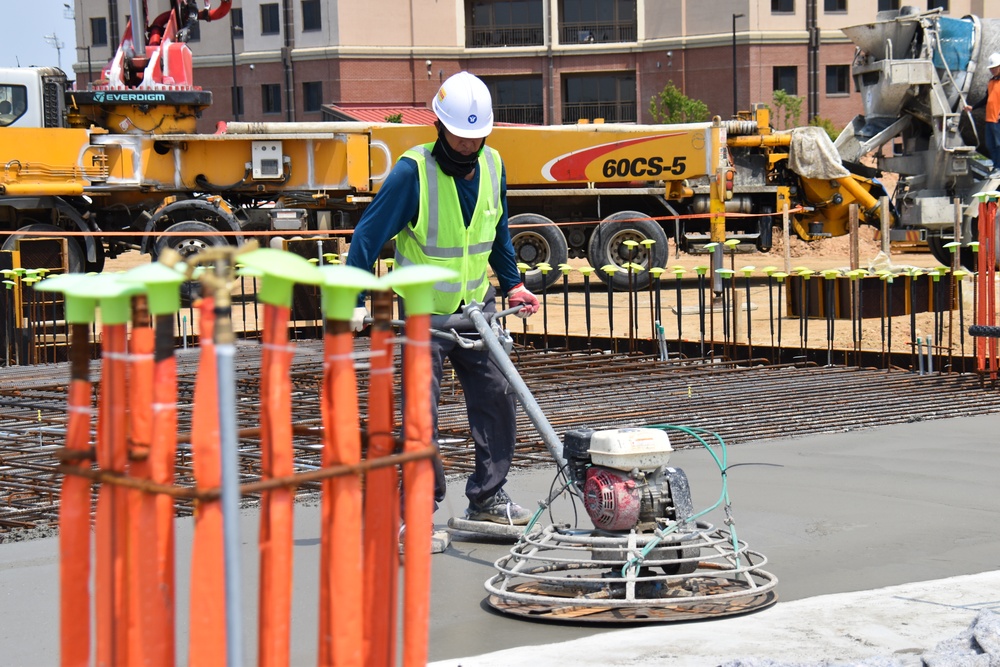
{"x": 397, "y": 205}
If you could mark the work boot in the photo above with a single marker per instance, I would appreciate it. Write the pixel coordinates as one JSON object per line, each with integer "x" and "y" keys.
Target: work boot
{"x": 440, "y": 539}
{"x": 499, "y": 509}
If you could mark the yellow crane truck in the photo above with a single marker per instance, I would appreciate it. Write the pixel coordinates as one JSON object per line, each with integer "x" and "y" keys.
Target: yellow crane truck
{"x": 130, "y": 160}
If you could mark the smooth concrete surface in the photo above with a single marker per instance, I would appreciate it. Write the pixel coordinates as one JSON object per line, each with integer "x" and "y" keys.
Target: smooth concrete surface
{"x": 840, "y": 516}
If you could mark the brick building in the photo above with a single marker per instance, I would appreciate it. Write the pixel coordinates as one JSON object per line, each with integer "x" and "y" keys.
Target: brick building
{"x": 547, "y": 61}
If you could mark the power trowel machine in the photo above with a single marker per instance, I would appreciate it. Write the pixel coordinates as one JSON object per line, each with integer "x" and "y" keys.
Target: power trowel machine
{"x": 649, "y": 556}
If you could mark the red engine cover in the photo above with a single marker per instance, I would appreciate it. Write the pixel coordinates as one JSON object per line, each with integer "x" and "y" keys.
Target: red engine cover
{"x": 612, "y": 499}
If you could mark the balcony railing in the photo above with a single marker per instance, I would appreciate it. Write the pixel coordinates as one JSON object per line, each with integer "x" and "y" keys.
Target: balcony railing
{"x": 521, "y": 114}
{"x": 611, "y": 112}
{"x": 596, "y": 33}
{"x": 481, "y": 37}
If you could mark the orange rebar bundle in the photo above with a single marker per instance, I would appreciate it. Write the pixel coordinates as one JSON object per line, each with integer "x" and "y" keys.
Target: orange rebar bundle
{"x": 74, "y": 511}
{"x": 208, "y": 595}
{"x": 986, "y": 315}
{"x": 274, "y": 614}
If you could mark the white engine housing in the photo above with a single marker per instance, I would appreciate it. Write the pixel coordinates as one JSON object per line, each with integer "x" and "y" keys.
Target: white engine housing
{"x": 629, "y": 448}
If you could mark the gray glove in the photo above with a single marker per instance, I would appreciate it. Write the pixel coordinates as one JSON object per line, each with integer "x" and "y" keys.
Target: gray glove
{"x": 358, "y": 318}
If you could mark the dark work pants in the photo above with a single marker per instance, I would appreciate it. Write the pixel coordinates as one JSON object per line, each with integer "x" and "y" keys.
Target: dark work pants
{"x": 489, "y": 405}
{"x": 993, "y": 143}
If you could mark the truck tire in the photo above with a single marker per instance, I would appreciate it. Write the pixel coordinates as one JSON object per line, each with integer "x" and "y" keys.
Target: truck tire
{"x": 537, "y": 239}
{"x": 607, "y": 246}
{"x": 200, "y": 235}
{"x": 76, "y": 261}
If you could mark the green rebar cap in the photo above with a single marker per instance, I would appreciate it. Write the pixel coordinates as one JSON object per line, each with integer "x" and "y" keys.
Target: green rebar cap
{"x": 856, "y": 273}
{"x": 711, "y": 246}
{"x": 953, "y": 246}
{"x": 769, "y": 270}
{"x": 747, "y": 270}
{"x": 79, "y": 309}
{"x": 340, "y": 288}
{"x": 162, "y": 286}
{"x": 281, "y": 271}
{"x": 565, "y": 268}
{"x": 389, "y": 262}
{"x": 830, "y": 274}
{"x": 656, "y": 271}
{"x": 543, "y": 267}
{"x": 732, "y": 243}
{"x": 725, "y": 273}
{"x": 610, "y": 269}
{"x": 635, "y": 267}
{"x": 961, "y": 273}
{"x": 111, "y": 294}
{"x": 987, "y": 195}
{"x": 702, "y": 270}
{"x": 975, "y": 246}
{"x": 780, "y": 275}
{"x": 647, "y": 242}
{"x": 630, "y": 243}
{"x": 523, "y": 267}
{"x": 678, "y": 270}
{"x": 586, "y": 270}
{"x": 416, "y": 285}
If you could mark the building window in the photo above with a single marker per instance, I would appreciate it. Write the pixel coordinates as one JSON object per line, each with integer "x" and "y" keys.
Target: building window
{"x": 312, "y": 95}
{"x": 517, "y": 99}
{"x": 607, "y": 96}
{"x": 270, "y": 24}
{"x": 833, "y": 6}
{"x": 237, "y": 101}
{"x": 782, "y": 6}
{"x": 311, "y": 20}
{"x": 99, "y": 31}
{"x": 236, "y": 18}
{"x": 503, "y": 23}
{"x": 590, "y": 21}
{"x": 838, "y": 79}
{"x": 270, "y": 94}
{"x": 888, "y": 5}
{"x": 934, "y": 4}
{"x": 786, "y": 78}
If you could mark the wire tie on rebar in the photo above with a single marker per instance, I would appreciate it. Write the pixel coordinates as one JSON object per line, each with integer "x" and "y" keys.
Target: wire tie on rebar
{"x": 80, "y": 409}
{"x": 116, "y": 356}
{"x": 159, "y": 407}
{"x": 330, "y": 358}
{"x": 132, "y": 356}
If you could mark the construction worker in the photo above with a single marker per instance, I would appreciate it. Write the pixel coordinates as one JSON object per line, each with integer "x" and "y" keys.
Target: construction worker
{"x": 992, "y": 104}
{"x": 445, "y": 203}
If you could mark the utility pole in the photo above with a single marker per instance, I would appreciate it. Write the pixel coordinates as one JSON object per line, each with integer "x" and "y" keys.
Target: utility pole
{"x": 53, "y": 40}
{"x": 736, "y": 109}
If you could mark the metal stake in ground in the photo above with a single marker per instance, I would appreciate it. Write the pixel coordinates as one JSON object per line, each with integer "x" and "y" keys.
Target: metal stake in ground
{"x": 586, "y": 271}
{"x": 959, "y": 277}
{"x": 829, "y": 281}
{"x": 611, "y": 270}
{"x": 566, "y": 269}
{"x": 701, "y": 270}
{"x": 769, "y": 272}
{"x": 678, "y": 272}
{"x": 780, "y": 277}
{"x": 747, "y": 271}
{"x": 544, "y": 268}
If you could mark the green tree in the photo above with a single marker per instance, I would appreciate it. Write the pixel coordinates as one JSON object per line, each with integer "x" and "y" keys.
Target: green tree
{"x": 394, "y": 118}
{"x": 788, "y": 108}
{"x": 670, "y": 105}
{"x": 827, "y": 125}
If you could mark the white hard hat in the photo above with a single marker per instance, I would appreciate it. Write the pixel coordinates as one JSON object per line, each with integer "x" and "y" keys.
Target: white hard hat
{"x": 463, "y": 105}
{"x": 994, "y": 60}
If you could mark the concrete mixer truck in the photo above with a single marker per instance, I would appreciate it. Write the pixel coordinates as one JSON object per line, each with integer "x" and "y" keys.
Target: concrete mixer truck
{"x": 917, "y": 71}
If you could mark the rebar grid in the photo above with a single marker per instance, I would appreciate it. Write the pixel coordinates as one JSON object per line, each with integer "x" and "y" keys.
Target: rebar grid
{"x": 590, "y": 389}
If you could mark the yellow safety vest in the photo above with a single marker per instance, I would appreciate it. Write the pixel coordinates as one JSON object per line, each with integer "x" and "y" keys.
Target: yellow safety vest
{"x": 440, "y": 236}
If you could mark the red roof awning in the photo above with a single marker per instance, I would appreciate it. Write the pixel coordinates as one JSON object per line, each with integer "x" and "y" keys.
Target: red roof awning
{"x": 378, "y": 114}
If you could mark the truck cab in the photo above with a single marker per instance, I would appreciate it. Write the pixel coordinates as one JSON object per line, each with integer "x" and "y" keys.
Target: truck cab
{"x": 32, "y": 97}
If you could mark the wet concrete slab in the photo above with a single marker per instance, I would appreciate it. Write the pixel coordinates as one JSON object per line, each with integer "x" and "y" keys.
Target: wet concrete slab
{"x": 839, "y": 517}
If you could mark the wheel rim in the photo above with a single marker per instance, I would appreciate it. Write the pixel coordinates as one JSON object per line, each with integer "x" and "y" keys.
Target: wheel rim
{"x": 621, "y": 254}
{"x": 531, "y": 248}
{"x": 188, "y": 247}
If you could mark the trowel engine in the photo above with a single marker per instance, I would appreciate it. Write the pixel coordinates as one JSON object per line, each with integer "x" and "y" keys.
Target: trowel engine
{"x": 625, "y": 480}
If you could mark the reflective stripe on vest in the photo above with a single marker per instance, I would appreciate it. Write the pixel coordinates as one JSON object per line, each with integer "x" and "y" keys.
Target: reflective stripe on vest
{"x": 435, "y": 239}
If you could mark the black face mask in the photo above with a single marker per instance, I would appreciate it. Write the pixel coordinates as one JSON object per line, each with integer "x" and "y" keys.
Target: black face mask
{"x": 452, "y": 162}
